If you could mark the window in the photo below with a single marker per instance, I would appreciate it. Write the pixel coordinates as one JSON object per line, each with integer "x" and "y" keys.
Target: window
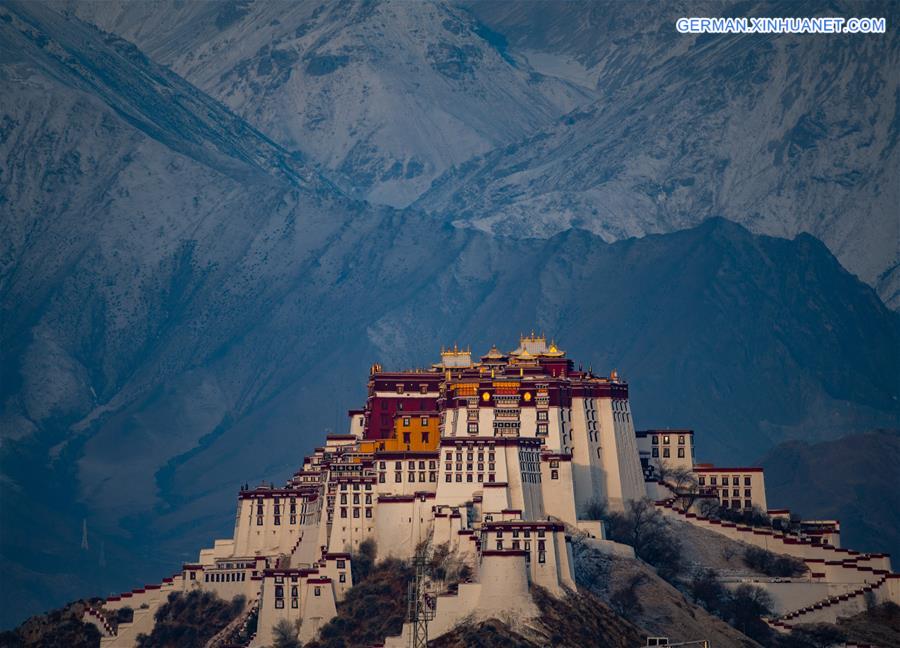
{"x": 654, "y": 439}
{"x": 712, "y": 481}
{"x": 542, "y": 428}
{"x": 424, "y": 421}
{"x": 746, "y": 481}
{"x": 701, "y": 481}
{"x": 542, "y": 556}
{"x": 279, "y": 590}
{"x": 399, "y": 388}
{"x": 746, "y": 492}
{"x": 406, "y": 422}
{"x": 398, "y": 476}
{"x": 381, "y": 478}
{"x": 341, "y": 564}
{"x": 259, "y": 520}
{"x": 343, "y": 511}
{"x": 459, "y": 477}
{"x": 342, "y": 577}
{"x": 655, "y": 452}
{"x": 277, "y": 520}
{"x": 356, "y": 512}
{"x": 279, "y": 603}
{"x": 343, "y": 498}
{"x": 424, "y": 437}
{"x": 735, "y": 481}
{"x": 317, "y": 591}
{"x": 666, "y": 439}
{"x": 423, "y": 389}
{"x": 542, "y": 416}
{"x": 680, "y": 439}
{"x": 473, "y": 428}
{"x": 448, "y": 477}
{"x": 412, "y": 478}
{"x": 406, "y": 436}
{"x": 554, "y": 474}
{"x": 368, "y": 511}
{"x": 681, "y": 453}
{"x": 665, "y": 452}
{"x": 295, "y": 603}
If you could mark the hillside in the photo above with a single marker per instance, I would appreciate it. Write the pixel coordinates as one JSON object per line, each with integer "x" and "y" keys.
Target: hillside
{"x": 851, "y": 478}
{"x": 184, "y": 304}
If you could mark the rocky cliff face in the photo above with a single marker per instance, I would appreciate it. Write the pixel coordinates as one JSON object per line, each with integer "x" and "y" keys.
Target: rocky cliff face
{"x": 186, "y": 303}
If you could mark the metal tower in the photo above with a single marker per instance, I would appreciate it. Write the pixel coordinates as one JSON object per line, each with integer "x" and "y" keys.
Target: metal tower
{"x": 420, "y": 604}
{"x": 84, "y": 538}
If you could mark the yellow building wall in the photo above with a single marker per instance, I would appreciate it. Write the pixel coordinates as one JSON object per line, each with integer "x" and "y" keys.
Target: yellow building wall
{"x": 412, "y": 433}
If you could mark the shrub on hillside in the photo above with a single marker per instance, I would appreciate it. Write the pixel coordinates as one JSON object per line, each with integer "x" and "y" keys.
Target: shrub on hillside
{"x": 374, "y": 608}
{"x": 645, "y": 529}
{"x": 61, "y": 628}
{"x": 361, "y": 562}
{"x": 190, "y": 620}
{"x": 770, "y": 564}
{"x": 706, "y": 590}
{"x": 745, "y": 608}
{"x": 285, "y": 635}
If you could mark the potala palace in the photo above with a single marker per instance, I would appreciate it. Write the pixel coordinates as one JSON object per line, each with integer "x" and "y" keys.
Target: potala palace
{"x": 501, "y": 459}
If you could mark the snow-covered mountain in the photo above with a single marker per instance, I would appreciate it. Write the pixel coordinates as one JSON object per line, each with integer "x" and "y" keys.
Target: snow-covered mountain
{"x": 784, "y": 134}
{"x": 384, "y": 95}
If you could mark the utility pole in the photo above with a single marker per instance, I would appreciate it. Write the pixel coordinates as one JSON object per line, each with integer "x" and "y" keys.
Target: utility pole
{"x": 84, "y": 539}
{"x": 420, "y": 605}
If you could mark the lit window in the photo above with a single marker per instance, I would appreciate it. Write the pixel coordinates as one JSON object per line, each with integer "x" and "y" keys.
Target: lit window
{"x": 406, "y": 422}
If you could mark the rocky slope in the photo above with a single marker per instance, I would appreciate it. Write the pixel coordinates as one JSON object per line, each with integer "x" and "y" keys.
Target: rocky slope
{"x": 851, "y": 479}
{"x": 185, "y": 305}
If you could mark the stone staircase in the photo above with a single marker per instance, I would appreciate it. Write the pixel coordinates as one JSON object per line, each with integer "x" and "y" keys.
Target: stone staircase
{"x": 830, "y": 609}
{"x": 96, "y": 618}
{"x": 227, "y": 636}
